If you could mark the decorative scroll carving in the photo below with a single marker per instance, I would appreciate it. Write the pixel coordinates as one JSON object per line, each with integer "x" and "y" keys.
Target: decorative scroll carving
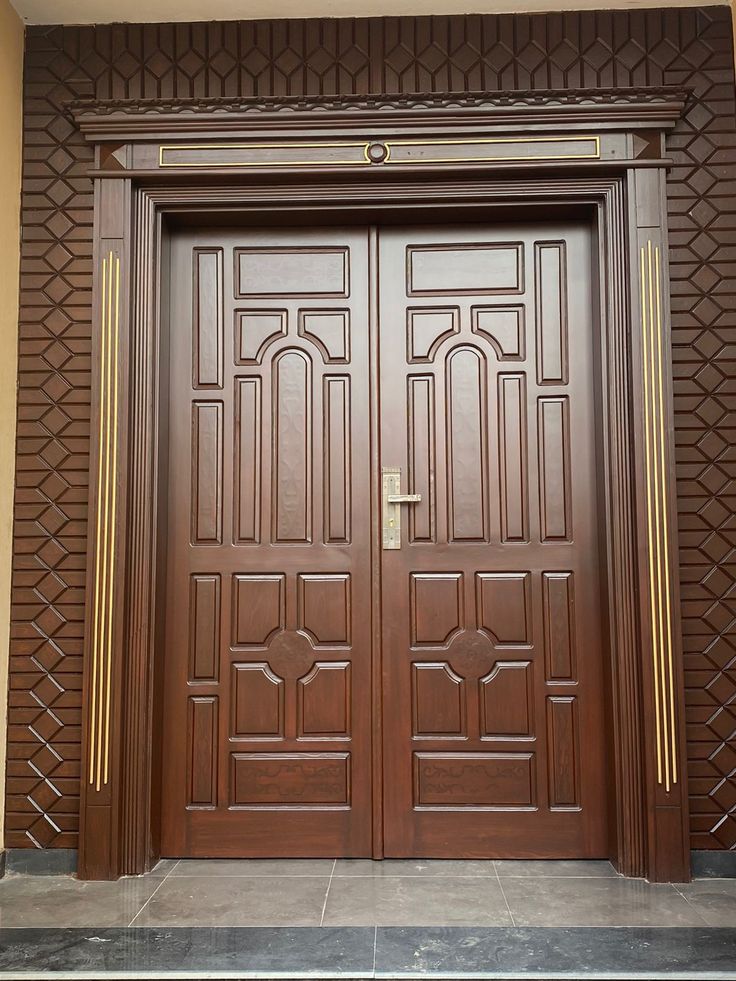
{"x": 656, "y": 96}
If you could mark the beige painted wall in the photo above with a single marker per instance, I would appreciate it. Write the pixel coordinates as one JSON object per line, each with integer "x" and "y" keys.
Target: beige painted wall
{"x": 11, "y": 108}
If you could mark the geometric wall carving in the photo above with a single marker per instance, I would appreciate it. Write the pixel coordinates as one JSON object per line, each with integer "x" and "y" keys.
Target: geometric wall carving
{"x": 687, "y": 46}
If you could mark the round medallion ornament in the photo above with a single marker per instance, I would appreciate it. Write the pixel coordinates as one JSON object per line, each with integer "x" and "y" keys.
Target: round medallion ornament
{"x": 377, "y": 152}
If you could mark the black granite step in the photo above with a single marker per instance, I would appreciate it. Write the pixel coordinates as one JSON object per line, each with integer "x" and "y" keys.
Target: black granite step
{"x": 386, "y": 953}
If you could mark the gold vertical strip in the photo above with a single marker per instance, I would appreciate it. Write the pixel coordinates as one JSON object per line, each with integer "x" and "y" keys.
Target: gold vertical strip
{"x": 658, "y": 518}
{"x": 102, "y": 634}
{"x": 105, "y": 525}
{"x": 646, "y": 358}
{"x": 657, "y": 435}
{"x": 665, "y": 524}
{"x": 98, "y": 542}
{"x": 110, "y": 637}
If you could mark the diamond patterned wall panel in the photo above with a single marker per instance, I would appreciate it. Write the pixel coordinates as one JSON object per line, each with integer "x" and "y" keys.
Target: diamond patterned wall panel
{"x": 480, "y": 53}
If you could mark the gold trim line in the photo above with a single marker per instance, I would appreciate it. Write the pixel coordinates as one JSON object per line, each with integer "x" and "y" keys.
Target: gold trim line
{"x": 658, "y": 517}
{"x": 104, "y": 577}
{"x": 363, "y": 158}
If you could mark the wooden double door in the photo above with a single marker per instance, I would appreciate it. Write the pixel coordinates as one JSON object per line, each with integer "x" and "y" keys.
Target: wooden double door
{"x": 324, "y": 694}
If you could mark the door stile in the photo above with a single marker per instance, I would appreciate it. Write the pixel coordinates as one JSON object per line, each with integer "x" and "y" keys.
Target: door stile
{"x": 376, "y": 626}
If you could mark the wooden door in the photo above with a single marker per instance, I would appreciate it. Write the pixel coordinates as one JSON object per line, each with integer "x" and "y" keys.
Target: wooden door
{"x": 491, "y": 642}
{"x": 267, "y": 706}
{"x": 492, "y": 659}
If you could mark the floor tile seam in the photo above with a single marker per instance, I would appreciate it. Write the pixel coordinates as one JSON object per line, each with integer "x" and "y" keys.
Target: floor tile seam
{"x": 327, "y": 894}
{"x": 375, "y": 949}
{"x": 692, "y": 906}
{"x": 505, "y": 899}
{"x": 147, "y": 901}
{"x": 173, "y": 868}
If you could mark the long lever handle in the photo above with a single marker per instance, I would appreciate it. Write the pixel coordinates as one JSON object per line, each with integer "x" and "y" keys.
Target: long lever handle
{"x": 404, "y": 498}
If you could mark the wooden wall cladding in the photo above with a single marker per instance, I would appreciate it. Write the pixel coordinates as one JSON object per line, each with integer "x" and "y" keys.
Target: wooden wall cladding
{"x": 691, "y": 47}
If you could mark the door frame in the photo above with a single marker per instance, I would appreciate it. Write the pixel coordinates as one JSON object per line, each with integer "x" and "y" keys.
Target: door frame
{"x": 362, "y": 158}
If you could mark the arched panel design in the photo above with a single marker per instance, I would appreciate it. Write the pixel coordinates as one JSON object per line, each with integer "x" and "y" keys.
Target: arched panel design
{"x": 292, "y": 447}
{"x": 467, "y": 445}
{"x": 255, "y": 332}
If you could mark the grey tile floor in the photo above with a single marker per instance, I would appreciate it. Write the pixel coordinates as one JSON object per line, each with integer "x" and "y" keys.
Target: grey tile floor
{"x": 327, "y": 893}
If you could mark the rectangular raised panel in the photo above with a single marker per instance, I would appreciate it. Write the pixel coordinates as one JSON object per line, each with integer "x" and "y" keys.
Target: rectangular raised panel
{"x": 257, "y": 702}
{"x": 554, "y": 468}
{"x": 467, "y": 463}
{"x": 329, "y": 331}
{"x": 426, "y": 329}
{"x": 267, "y": 155}
{"x": 437, "y": 612}
{"x": 248, "y": 474}
{"x": 562, "y": 750}
{"x": 551, "y": 290}
{"x": 506, "y": 701}
{"x": 472, "y": 268}
{"x": 421, "y": 433}
{"x": 202, "y": 752}
{"x": 324, "y": 609}
{"x": 503, "y": 327}
{"x": 438, "y": 701}
{"x": 206, "y": 473}
{"x": 512, "y": 457}
{"x": 323, "y": 701}
{"x": 207, "y": 319}
{"x": 490, "y": 150}
{"x": 292, "y": 449}
{"x": 559, "y": 625}
{"x": 474, "y": 780}
{"x": 204, "y": 627}
{"x": 291, "y": 272}
{"x": 503, "y": 601}
{"x": 258, "y": 609}
{"x": 255, "y": 332}
{"x": 290, "y": 780}
{"x": 337, "y": 491}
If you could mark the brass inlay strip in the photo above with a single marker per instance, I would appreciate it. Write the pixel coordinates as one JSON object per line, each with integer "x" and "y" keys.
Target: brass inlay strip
{"x": 361, "y": 161}
{"x": 658, "y": 522}
{"x": 104, "y": 592}
{"x": 499, "y": 158}
{"x": 364, "y": 147}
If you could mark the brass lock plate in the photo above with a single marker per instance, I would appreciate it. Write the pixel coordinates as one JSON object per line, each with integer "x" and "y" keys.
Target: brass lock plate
{"x": 391, "y": 486}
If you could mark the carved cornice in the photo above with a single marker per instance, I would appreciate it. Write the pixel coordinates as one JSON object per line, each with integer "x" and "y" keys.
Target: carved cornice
{"x": 653, "y": 108}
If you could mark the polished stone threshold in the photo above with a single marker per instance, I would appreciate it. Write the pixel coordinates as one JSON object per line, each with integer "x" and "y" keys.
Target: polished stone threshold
{"x": 343, "y": 953}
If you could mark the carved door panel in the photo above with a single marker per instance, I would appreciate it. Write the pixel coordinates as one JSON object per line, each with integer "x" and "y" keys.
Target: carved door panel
{"x": 492, "y": 666}
{"x": 267, "y": 715}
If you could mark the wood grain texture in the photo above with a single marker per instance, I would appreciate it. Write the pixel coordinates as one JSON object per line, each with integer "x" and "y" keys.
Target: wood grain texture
{"x": 683, "y": 47}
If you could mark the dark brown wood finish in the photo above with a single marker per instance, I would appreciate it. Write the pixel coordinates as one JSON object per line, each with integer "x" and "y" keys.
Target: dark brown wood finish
{"x": 492, "y": 650}
{"x": 690, "y": 46}
{"x": 649, "y": 811}
{"x": 267, "y": 693}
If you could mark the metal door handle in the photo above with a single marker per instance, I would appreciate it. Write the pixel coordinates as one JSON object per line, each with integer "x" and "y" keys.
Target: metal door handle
{"x": 392, "y": 498}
